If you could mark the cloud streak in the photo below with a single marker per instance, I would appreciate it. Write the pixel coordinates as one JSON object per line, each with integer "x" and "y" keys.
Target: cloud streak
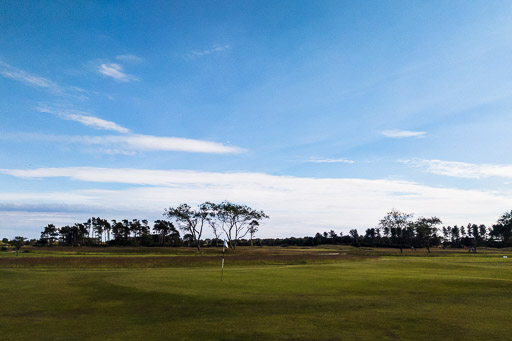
{"x": 129, "y": 58}
{"x": 85, "y": 119}
{"x": 127, "y": 144}
{"x": 462, "y": 169}
{"x": 159, "y": 143}
{"x": 26, "y": 78}
{"x": 330, "y": 160}
{"x": 41, "y": 83}
{"x": 398, "y": 134}
{"x": 201, "y": 53}
{"x": 115, "y": 71}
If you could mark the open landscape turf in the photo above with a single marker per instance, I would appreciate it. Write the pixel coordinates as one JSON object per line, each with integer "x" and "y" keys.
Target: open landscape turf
{"x": 337, "y": 293}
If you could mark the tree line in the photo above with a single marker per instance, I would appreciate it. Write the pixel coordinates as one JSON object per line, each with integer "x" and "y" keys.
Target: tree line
{"x": 397, "y": 229}
{"x": 238, "y": 224}
{"x": 227, "y": 220}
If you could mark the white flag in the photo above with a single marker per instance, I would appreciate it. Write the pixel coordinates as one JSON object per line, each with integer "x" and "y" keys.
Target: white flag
{"x": 226, "y": 244}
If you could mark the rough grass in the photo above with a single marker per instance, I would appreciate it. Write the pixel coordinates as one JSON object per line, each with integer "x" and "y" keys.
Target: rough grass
{"x": 350, "y": 296}
{"x": 172, "y": 257}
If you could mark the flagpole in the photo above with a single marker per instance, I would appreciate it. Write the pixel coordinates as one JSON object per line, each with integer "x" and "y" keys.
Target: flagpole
{"x": 222, "y": 268}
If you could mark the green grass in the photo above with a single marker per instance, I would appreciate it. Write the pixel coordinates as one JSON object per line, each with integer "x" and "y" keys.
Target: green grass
{"x": 446, "y": 296}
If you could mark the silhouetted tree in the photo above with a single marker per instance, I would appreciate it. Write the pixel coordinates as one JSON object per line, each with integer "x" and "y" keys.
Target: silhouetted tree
{"x": 17, "y": 243}
{"x": 164, "y": 228}
{"x": 355, "y": 236}
{"x": 117, "y": 230}
{"x": 126, "y": 229}
{"x": 189, "y": 221}
{"x": 396, "y": 221}
{"x": 502, "y": 230}
{"x": 426, "y": 229}
{"x": 482, "y": 231}
{"x": 235, "y": 219}
{"x": 253, "y": 228}
{"x": 49, "y": 235}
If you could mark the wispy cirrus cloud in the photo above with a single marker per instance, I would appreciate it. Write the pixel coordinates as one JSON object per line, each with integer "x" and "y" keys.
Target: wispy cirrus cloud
{"x": 330, "y": 160}
{"x": 130, "y": 143}
{"x": 161, "y": 143}
{"x": 113, "y": 151}
{"x": 129, "y": 58}
{"x": 38, "y": 82}
{"x": 462, "y": 169}
{"x": 214, "y": 49}
{"x": 85, "y": 119}
{"x": 126, "y": 144}
{"x": 12, "y": 72}
{"x": 397, "y": 134}
{"x": 115, "y": 71}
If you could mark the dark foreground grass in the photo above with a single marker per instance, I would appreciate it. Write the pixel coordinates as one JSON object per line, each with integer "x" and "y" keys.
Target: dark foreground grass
{"x": 447, "y": 297}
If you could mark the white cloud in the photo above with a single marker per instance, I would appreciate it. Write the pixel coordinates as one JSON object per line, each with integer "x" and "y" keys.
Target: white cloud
{"x": 44, "y": 207}
{"x": 159, "y": 143}
{"x": 214, "y": 49}
{"x": 330, "y": 160}
{"x": 127, "y": 144}
{"x": 462, "y": 169}
{"x": 12, "y": 72}
{"x": 85, "y": 119}
{"x": 115, "y": 71}
{"x": 41, "y": 83}
{"x": 129, "y": 58}
{"x": 30, "y": 224}
{"x": 396, "y": 134}
{"x": 111, "y": 151}
{"x": 297, "y": 206}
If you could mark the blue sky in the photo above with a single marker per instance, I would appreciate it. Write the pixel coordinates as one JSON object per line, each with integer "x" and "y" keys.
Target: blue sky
{"x": 324, "y": 114}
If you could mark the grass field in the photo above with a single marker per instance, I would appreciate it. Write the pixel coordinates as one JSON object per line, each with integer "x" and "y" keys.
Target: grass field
{"x": 336, "y": 293}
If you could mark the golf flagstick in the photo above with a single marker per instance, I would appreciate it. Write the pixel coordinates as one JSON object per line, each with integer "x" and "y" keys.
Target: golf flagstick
{"x": 224, "y": 246}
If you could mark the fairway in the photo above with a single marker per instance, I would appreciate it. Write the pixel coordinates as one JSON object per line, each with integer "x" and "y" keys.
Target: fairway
{"x": 449, "y": 297}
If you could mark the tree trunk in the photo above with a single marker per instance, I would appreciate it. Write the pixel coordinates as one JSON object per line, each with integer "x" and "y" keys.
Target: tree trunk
{"x": 401, "y": 238}
{"x": 428, "y": 245}
{"x": 198, "y": 245}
